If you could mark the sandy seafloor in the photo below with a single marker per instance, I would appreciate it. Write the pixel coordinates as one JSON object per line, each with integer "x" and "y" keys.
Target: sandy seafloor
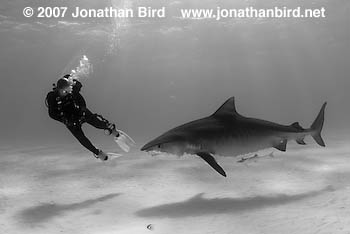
{"x": 63, "y": 189}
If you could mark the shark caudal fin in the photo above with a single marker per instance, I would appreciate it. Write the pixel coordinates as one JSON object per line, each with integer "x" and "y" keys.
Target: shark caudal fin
{"x": 317, "y": 125}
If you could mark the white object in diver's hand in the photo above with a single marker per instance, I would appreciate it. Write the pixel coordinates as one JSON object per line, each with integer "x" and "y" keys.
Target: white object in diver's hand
{"x": 124, "y": 141}
{"x": 121, "y": 140}
{"x": 129, "y": 139}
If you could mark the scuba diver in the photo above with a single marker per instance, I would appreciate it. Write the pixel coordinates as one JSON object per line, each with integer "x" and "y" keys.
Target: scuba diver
{"x": 67, "y": 105}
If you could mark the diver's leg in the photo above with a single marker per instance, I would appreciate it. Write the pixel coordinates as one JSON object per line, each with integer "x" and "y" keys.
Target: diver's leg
{"x": 80, "y": 136}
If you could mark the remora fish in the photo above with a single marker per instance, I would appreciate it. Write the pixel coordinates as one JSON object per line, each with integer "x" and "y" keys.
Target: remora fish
{"x": 227, "y": 133}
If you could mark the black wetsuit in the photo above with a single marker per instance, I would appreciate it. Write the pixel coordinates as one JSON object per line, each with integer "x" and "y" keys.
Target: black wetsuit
{"x": 72, "y": 111}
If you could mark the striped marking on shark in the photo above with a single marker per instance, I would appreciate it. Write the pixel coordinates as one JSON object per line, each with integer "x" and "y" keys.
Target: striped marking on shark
{"x": 227, "y": 133}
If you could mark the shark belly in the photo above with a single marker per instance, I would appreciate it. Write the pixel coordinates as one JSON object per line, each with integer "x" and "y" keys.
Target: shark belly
{"x": 233, "y": 147}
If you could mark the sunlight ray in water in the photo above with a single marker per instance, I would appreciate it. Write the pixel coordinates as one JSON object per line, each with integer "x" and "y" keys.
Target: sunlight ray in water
{"x": 118, "y": 26}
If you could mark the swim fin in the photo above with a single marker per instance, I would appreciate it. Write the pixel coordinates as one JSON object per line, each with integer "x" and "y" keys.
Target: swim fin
{"x": 121, "y": 140}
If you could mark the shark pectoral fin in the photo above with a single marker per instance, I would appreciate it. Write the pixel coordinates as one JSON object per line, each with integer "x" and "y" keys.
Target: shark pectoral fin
{"x": 281, "y": 145}
{"x": 300, "y": 141}
{"x": 212, "y": 162}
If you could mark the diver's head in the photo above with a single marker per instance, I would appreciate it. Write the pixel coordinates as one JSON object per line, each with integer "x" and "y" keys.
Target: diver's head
{"x": 64, "y": 86}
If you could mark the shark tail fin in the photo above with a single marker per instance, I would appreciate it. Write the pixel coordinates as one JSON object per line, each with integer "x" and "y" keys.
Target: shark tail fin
{"x": 317, "y": 125}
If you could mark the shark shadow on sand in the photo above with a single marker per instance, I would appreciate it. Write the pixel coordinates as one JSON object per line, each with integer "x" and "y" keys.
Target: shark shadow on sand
{"x": 42, "y": 213}
{"x": 199, "y": 206}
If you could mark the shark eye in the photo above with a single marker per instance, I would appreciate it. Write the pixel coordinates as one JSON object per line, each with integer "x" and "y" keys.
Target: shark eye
{"x": 158, "y": 146}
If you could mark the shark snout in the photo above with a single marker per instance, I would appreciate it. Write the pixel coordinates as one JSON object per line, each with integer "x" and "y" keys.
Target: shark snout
{"x": 151, "y": 149}
{"x": 148, "y": 147}
{"x": 144, "y": 148}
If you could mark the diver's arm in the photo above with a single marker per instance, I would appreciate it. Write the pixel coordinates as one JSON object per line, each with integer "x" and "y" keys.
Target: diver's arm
{"x": 81, "y": 101}
{"x": 77, "y": 85}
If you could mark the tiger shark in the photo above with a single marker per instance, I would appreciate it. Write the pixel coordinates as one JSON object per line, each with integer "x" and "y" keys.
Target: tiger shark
{"x": 227, "y": 133}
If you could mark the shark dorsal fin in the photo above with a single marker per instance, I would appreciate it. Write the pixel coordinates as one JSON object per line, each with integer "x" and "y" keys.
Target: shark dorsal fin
{"x": 228, "y": 108}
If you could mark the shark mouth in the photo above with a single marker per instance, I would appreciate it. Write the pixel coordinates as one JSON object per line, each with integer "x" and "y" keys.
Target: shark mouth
{"x": 154, "y": 152}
